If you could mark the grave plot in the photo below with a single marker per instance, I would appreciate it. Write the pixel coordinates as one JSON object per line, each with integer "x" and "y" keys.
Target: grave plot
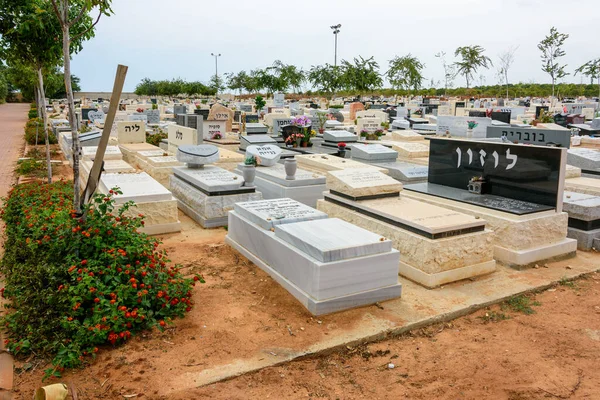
{"x": 327, "y": 264}
{"x": 436, "y": 245}
{"x": 111, "y": 153}
{"x": 110, "y": 167}
{"x": 275, "y": 180}
{"x": 151, "y": 199}
{"x": 584, "y": 218}
{"x": 407, "y": 136}
{"x": 588, "y": 160}
{"x": 516, "y": 188}
{"x": 88, "y": 139}
{"x": 204, "y": 192}
{"x": 321, "y": 164}
{"x": 385, "y": 157}
{"x": 332, "y": 138}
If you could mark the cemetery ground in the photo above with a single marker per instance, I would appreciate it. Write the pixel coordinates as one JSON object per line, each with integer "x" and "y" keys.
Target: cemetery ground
{"x": 452, "y": 342}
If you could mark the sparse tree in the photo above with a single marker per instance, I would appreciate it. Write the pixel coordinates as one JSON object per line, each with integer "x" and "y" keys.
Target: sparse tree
{"x": 406, "y": 73}
{"x": 506, "y": 60}
{"x": 325, "y": 78}
{"x": 471, "y": 59}
{"x": 74, "y": 18}
{"x": 551, "y": 48}
{"x": 449, "y": 72}
{"x": 591, "y": 69}
{"x": 362, "y": 75}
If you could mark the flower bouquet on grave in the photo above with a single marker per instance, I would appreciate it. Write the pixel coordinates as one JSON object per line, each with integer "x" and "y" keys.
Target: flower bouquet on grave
{"x": 419, "y": 112}
{"x": 470, "y": 126}
{"x": 304, "y": 123}
{"x": 217, "y": 135}
{"x": 322, "y": 119}
{"x": 140, "y": 110}
{"x": 363, "y": 134}
{"x": 294, "y": 139}
{"x": 342, "y": 149}
{"x": 379, "y": 133}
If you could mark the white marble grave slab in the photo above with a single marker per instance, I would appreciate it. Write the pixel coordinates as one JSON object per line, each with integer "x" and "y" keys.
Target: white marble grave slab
{"x": 332, "y": 239}
{"x": 277, "y": 174}
{"x": 269, "y": 213}
{"x": 267, "y": 155}
{"x": 362, "y": 182}
{"x": 339, "y": 136}
{"x": 140, "y": 188}
{"x": 111, "y": 153}
{"x": 373, "y": 152}
{"x": 209, "y": 178}
{"x": 199, "y": 155}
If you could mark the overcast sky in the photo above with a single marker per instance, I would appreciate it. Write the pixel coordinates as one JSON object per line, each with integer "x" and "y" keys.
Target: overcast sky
{"x": 164, "y": 39}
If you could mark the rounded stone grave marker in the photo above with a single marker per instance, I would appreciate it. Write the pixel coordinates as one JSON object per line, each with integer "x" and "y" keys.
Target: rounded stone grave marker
{"x": 268, "y": 154}
{"x": 197, "y": 155}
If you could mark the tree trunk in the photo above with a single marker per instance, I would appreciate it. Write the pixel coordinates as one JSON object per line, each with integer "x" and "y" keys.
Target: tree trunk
{"x": 71, "y": 104}
{"x": 506, "y": 76}
{"x": 45, "y": 121}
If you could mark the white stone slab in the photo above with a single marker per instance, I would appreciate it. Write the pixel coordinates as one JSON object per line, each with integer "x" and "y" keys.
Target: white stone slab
{"x": 249, "y": 140}
{"x": 164, "y": 161}
{"x": 140, "y": 188}
{"x": 339, "y": 136}
{"x": 277, "y": 174}
{"x": 332, "y": 239}
{"x": 362, "y": 182}
{"x": 269, "y": 213}
{"x": 407, "y": 136}
{"x": 373, "y": 152}
{"x": 111, "y": 153}
{"x": 198, "y": 155}
{"x": 267, "y": 155}
{"x": 209, "y": 178}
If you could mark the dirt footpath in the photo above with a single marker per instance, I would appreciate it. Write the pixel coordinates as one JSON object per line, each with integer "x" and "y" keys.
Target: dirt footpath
{"x": 12, "y": 121}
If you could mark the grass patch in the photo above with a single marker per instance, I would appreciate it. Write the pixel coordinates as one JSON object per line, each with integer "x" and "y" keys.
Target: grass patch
{"x": 493, "y": 316}
{"x": 522, "y": 304}
{"x": 564, "y": 281}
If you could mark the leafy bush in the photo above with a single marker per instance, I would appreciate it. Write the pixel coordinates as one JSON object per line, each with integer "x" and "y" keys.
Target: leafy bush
{"x": 32, "y": 114}
{"x": 78, "y": 283}
{"x": 31, "y": 129}
{"x": 155, "y": 138}
{"x": 37, "y": 168}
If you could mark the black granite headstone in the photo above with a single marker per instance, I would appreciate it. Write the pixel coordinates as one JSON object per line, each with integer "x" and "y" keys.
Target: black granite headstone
{"x": 460, "y": 104}
{"x": 525, "y": 173}
{"x": 501, "y": 116}
{"x": 85, "y": 112}
{"x": 540, "y": 137}
{"x": 560, "y": 119}
{"x": 252, "y": 118}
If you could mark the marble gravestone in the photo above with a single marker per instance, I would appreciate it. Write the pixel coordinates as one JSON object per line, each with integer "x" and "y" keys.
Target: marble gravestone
{"x": 584, "y": 219}
{"x": 179, "y": 135}
{"x": 266, "y": 155}
{"x": 385, "y": 157}
{"x": 443, "y": 238}
{"x": 272, "y": 181}
{"x": 151, "y": 199}
{"x": 588, "y": 160}
{"x": 131, "y": 132}
{"x": 204, "y": 192}
{"x": 214, "y": 130}
{"x": 332, "y": 138}
{"x": 373, "y": 153}
{"x": 256, "y": 128}
{"x": 521, "y": 195}
{"x": 219, "y": 112}
{"x": 246, "y": 141}
{"x": 111, "y": 153}
{"x": 327, "y": 264}
{"x": 530, "y": 135}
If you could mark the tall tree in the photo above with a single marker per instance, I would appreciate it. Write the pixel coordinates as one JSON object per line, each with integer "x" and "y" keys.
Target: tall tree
{"x": 325, "y": 78}
{"x": 406, "y": 73}
{"x": 361, "y": 75}
{"x": 449, "y": 71}
{"x": 74, "y": 18}
{"x": 551, "y": 48}
{"x": 591, "y": 69}
{"x": 506, "y": 60}
{"x": 471, "y": 59}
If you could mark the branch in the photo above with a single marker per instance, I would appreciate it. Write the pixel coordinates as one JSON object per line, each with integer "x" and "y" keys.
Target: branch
{"x": 88, "y": 29}
{"x": 81, "y": 13}
{"x": 55, "y": 6}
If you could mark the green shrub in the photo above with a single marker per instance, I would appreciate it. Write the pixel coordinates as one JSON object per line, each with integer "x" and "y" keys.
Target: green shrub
{"x": 37, "y": 168}
{"x": 33, "y": 114}
{"x": 31, "y": 129}
{"x": 155, "y": 138}
{"x": 79, "y": 283}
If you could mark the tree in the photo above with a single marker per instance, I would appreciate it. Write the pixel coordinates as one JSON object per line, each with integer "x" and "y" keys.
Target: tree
{"x": 216, "y": 83}
{"x": 325, "y": 78}
{"x": 449, "y": 71}
{"x": 472, "y": 59}
{"x": 405, "y": 73}
{"x": 551, "y": 48}
{"x": 73, "y": 16}
{"x": 286, "y": 75}
{"x": 362, "y": 75}
{"x": 506, "y": 60}
{"x": 591, "y": 69}
{"x": 236, "y": 81}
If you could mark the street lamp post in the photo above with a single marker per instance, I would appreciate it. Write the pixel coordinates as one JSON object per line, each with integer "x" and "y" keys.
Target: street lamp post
{"x": 336, "y": 30}
{"x": 216, "y": 56}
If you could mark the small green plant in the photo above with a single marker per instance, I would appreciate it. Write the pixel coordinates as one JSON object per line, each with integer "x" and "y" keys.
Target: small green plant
{"x": 385, "y": 125}
{"x": 32, "y": 113}
{"x": 493, "y": 316}
{"x": 251, "y": 160}
{"x": 260, "y": 103}
{"x": 34, "y": 129}
{"x": 564, "y": 281}
{"x": 34, "y": 168}
{"x": 84, "y": 129}
{"x": 522, "y": 304}
{"x": 545, "y": 117}
{"x": 155, "y": 138}
{"x": 155, "y": 106}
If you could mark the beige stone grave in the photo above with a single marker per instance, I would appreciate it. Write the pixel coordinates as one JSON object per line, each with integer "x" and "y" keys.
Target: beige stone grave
{"x": 437, "y": 245}
{"x": 130, "y": 151}
{"x": 219, "y": 112}
{"x": 321, "y": 164}
{"x": 406, "y": 135}
{"x": 131, "y": 132}
{"x": 411, "y": 150}
{"x": 583, "y": 185}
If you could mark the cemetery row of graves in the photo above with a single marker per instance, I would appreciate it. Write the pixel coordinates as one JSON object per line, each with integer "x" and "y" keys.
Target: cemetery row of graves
{"x": 338, "y": 201}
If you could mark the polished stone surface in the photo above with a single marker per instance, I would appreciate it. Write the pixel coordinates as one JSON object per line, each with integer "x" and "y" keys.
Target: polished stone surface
{"x": 277, "y": 174}
{"x": 362, "y": 183}
{"x": 332, "y": 239}
{"x": 585, "y": 159}
{"x": 269, "y": 213}
{"x": 140, "y": 188}
{"x": 198, "y": 154}
{"x": 405, "y": 172}
{"x": 249, "y": 140}
{"x": 210, "y": 179}
{"x": 339, "y": 136}
{"x": 267, "y": 155}
{"x": 373, "y": 153}
{"x": 513, "y": 206}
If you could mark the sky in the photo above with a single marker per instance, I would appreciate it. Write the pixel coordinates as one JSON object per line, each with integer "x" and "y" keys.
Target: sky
{"x": 166, "y": 39}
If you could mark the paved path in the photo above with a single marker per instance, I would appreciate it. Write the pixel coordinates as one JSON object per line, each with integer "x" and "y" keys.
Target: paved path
{"x": 12, "y": 121}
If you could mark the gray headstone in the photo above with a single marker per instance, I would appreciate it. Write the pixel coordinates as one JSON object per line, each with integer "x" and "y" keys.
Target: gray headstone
{"x": 198, "y": 155}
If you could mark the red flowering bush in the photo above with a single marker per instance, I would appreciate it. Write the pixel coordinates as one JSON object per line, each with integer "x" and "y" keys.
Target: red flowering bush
{"x": 79, "y": 283}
